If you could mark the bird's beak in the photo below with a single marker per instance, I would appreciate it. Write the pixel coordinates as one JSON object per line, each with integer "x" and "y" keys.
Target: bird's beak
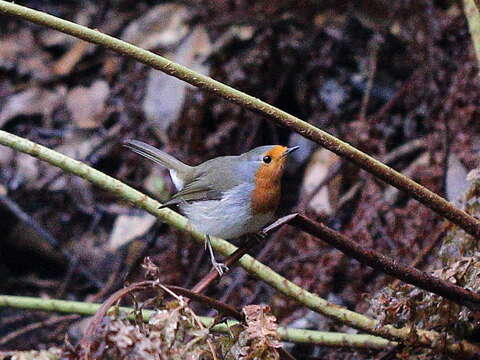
{"x": 289, "y": 150}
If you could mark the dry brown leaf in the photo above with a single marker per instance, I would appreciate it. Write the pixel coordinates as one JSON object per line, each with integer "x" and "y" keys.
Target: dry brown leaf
{"x": 6, "y": 155}
{"x": 20, "y": 51}
{"x": 317, "y": 170}
{"x": 456, "y": 180}
{"x": 87, "y": 104}
{"x": 128, "y": 227}
{"x": 32, "y": 101}
{"x": 27, "y": 167}
{"x": 165, "y": 94}
{"x": 262, "y": 333}
{"x": 162, "y": 26}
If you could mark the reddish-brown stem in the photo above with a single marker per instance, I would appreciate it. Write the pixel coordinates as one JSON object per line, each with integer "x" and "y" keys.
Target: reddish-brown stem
{"x": 232, "y": 259}
{"x": 220, "y": 306}
{"x": 420, "y": 258}
{"x": 89, "y": 335}
{"x": 382, "y": 263}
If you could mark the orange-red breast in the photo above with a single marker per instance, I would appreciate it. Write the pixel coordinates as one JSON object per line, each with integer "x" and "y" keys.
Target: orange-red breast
{"x": 228, "y": 196}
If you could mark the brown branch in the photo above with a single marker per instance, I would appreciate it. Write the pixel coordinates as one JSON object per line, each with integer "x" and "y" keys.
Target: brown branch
{"x": 420, "y": 258}
{"x": 382, "y": 263}
{"x": 28, "y": 220}
{"x": 220, "y": 306}
{"x": 232, "y": 259}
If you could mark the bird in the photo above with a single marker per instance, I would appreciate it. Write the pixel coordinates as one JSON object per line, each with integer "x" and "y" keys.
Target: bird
{"x": 227, "y": 196}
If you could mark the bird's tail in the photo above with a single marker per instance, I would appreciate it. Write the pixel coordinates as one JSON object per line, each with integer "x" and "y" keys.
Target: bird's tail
{"x": 159, "y": 157}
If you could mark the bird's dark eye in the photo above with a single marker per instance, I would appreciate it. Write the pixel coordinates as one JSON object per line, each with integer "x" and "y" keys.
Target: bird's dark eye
{"x": 267, "y": 159}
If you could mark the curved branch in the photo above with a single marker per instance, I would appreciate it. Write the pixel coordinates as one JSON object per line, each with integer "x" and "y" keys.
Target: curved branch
{"x": 324, "y": 338}
{"x": 341, "y": 148}
{"x": 261, "y": 271}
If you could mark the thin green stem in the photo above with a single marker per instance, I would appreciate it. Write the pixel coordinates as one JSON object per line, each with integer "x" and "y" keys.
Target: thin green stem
{"x": 324, "y": 338}
{"x": 261, "y": 271}
{"x": 368, "y": 163}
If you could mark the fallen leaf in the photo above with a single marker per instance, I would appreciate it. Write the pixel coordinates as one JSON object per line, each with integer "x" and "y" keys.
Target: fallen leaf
{"x": 317, "y": 170}
{"x": 6, "y": 155}
{"x": 27, "y": 167}
{"x": 128, "y": 227}
{"x": 20, "y": 51}
{"x": 456, "y": 179}
{"x": 31, "y": 102}
{"x": 165, "y": 94}
{"x": 165, "y": 25}
{"x": 87, "y": 104}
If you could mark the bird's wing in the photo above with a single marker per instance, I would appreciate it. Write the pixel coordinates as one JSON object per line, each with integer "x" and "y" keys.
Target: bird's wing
{"x": 206, "y": 184}
{"x": 196, "y": 190}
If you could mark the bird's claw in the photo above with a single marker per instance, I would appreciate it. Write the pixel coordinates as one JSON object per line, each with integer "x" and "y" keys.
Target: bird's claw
{"x": 220, "y": 268}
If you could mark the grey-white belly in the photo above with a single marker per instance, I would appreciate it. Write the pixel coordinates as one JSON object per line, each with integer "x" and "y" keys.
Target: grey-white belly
{"x": 228, "y": 218}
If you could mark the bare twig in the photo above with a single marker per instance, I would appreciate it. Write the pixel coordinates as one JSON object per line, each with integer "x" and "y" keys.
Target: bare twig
{"x": 380, "y": 262}
{"x": 375, "y": 45}
{"x": 420, "y": 258}
{"x": 232, "y": 259}
{"x": 89, "y": 335}
{"x": 220, "y": 306}
{"x": 404, "y": 150}
{"x": 324, "y": 338}
{"x": 30, "y": 221}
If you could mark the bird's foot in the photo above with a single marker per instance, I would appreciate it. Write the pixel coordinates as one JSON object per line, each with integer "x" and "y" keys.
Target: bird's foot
{"x": 219, "y": 267}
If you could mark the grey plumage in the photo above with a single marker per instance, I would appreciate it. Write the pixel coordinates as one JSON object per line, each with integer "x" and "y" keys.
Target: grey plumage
{"x": 209, "y": 180}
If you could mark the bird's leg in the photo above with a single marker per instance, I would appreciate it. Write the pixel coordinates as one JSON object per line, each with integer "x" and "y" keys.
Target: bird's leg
{"x": 219, "y": 267}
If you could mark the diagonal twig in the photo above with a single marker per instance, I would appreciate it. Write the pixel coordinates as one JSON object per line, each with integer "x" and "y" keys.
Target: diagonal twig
{"x": 30, "y": 221}
{"x": 381, "y": 262}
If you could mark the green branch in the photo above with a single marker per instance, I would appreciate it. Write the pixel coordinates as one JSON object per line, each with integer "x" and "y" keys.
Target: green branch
{"x": 324, "y": 338}
{"x": 261, "y": 271}
{"x": 341, "y": 148}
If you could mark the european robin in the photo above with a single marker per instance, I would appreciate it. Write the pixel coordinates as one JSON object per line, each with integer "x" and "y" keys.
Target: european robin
{"x": 228, "y": 196}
